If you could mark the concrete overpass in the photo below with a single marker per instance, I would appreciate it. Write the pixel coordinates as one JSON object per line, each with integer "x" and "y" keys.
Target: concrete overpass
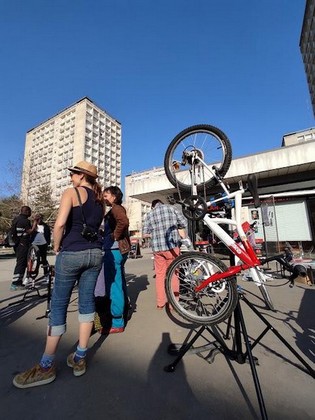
{"x": 286, "y": 169}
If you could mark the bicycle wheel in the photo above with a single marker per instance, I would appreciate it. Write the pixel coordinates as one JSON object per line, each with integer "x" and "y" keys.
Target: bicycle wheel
{"x": 209, "y": 306}
{"x": 266, "y": 296}
{"x": 204, "y": 141}
{"x": 33, "y": 261}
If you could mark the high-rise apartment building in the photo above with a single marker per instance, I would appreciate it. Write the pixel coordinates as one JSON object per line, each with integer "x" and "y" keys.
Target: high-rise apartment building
{"x": 307, "y": 47}
{"x": 82, "y": 131}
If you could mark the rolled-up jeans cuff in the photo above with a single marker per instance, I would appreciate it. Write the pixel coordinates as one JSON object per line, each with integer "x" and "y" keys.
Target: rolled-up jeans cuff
{"x": 86, "y": 317}
{"x": 56, "y": 331}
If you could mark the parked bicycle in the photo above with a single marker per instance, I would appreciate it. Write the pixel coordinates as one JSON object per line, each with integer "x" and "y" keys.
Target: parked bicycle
{"x": 33, "y": 264}
{"x": 32, "y": 269}
{"x": 195, "y": 160}
{"x": 30, "y": 281}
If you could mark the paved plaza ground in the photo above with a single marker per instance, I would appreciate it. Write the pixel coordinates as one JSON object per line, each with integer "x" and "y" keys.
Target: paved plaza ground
{"x": 125, "y": 377}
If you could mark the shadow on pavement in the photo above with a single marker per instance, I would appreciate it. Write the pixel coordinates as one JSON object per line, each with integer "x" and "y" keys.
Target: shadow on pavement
{"x": 13, "y": 312}
{"x": 305, "y": 339}
{"x": 135, "y": 285}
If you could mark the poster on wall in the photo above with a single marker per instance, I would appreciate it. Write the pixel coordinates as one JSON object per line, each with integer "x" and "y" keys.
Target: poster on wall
{"x": 254, "y": 214}
{"x": 267, "y": 214}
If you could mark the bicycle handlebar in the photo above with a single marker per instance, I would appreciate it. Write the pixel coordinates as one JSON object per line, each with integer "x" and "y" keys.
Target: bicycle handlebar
{"x": 280, "y": 258}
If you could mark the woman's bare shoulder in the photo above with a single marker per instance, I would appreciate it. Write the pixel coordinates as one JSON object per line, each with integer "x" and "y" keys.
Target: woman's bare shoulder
{"x": 69, "y": 192}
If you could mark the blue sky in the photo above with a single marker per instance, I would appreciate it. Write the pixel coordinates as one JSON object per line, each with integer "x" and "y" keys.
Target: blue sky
{"x": 157, "y": 67}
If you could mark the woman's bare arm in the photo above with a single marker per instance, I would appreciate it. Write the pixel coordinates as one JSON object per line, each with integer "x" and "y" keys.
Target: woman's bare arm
{"x": 65, "y": 207}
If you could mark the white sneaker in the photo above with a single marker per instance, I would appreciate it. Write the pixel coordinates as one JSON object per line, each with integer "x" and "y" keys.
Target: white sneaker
{"x": 27, "y": 282}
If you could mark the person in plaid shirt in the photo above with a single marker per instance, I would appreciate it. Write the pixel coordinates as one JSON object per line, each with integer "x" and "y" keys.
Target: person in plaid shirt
{"x": 166, "y": 227}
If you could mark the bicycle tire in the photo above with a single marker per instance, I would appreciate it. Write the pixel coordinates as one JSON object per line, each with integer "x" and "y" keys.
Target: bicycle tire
{"x": 211, "y": 305}
{"x": 33, "y": 262}
{"x": 210, "y": 142}
{"x": 266, "y": 296}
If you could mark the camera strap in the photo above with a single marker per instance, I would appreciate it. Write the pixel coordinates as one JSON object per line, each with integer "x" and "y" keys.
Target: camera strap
{"x": 80, "y": 204}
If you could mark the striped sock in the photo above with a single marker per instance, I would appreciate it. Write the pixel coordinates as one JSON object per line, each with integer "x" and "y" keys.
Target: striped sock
{"x": 47, "y": 361}
{"x": 79, "y": 354}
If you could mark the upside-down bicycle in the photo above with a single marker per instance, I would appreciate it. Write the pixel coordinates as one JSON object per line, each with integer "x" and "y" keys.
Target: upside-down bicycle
{"x": 196, "y": 159}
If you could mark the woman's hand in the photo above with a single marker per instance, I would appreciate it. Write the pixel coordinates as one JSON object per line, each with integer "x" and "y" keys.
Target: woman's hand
{"x": 56, "y": 250}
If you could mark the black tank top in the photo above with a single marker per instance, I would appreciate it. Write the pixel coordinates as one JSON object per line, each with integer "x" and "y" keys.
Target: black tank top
{"x": 93, "y": 212}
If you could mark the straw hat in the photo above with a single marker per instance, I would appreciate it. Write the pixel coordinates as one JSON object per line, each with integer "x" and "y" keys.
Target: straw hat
{"x": 85, "y": 168}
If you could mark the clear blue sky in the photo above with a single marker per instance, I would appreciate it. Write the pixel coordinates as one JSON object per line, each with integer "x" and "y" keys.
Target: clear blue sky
{"x": 157, "y": 67}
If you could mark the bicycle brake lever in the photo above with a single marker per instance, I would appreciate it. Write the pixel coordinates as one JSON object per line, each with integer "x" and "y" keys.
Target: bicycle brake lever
{"x": 216, "y": 173}
{"x": 219, "y": 179}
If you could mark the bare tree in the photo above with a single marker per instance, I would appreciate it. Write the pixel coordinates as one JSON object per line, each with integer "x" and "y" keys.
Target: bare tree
{"x": 44, "y": 204}
{"x": 12, "y": 185}
{"x": 9, "y": 208}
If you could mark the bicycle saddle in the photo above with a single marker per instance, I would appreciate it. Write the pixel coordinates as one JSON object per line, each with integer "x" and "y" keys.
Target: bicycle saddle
{"x": 252, "y": 188}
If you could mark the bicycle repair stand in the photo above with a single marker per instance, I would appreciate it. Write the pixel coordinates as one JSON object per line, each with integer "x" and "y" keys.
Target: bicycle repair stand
{"x": 35, "y": 288}
{"x": 236, "y": 352}
{"x": 27, "y": 292}
{"x": 51, "y": 277}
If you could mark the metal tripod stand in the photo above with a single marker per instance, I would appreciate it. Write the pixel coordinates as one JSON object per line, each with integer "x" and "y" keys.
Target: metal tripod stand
{"x": 49, "y": 287}
{"x": 236, "y": 352}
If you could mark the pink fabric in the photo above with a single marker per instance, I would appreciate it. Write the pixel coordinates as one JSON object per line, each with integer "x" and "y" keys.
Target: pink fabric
{"x": 162, "y": 260}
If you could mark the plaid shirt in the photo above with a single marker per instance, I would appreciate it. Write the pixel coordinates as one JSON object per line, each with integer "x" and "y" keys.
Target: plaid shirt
{"x": 162, "y": 223}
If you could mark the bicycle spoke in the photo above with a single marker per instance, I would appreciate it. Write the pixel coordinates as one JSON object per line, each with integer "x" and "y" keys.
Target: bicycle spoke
{"x": 210, "y": 305}
{"x": 198, "y": 142}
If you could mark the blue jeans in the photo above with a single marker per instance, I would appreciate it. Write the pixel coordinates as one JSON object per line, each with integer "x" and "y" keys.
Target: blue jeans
{"x": 71, "y": 267}
{"x": 115, "y": 284}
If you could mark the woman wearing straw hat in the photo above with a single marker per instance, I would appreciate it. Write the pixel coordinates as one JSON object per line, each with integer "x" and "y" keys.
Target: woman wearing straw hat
{"x": 79, "y": 260}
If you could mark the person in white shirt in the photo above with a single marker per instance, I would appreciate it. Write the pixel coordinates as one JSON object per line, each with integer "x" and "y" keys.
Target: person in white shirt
{"x": 41, "y": 238}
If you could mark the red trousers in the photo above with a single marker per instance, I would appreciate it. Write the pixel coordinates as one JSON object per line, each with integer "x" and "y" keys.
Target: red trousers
{"x": 162, "y": 260}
